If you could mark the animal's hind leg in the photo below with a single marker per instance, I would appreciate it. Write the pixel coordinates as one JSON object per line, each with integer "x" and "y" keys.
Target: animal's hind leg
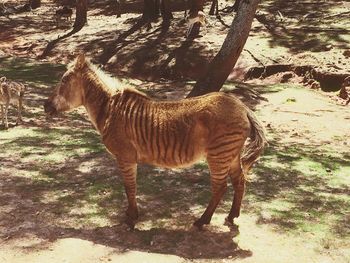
{"x": 2, "y": 114}
{"x": 5, "y": 114}
{"x": 128, "y": 171}
{"x": 238, "y": 183}
{"x": 218, "y": 177}
{"x": 20, "y": 106}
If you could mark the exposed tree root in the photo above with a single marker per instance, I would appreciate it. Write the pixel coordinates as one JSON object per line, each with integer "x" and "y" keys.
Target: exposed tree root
{"x": 328, "y": 81}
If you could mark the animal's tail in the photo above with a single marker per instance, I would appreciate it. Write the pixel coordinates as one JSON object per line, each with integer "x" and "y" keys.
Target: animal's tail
{"x": 255, "y": 145}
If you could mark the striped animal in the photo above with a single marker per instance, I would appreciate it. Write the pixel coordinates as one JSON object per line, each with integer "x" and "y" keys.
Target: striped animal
{"x": 11, "y": 92}
{"x": 137, "y": 129}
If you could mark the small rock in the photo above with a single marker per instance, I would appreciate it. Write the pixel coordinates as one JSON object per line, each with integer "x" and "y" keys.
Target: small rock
{"x": 328, "y": 170}
{"x": 315, "y": 85}
{"x": 328, "y": 47}
{"x": 286, "y": 77}
{"x": 346, "y": 53}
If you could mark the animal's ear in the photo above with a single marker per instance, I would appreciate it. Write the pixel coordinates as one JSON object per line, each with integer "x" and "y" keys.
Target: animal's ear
{"x": 80, "y": 62}
{"x": 2, "y": 79}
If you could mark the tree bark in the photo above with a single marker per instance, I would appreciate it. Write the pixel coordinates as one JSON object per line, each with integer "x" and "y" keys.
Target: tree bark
{"x": 150, "y": 10}
{"x": 223, "y": 63}
{"x": 81, "y": 15}
{"x": 214, "y": 9}
{"x": 165, "y": 11}
{"x": 236, "y": 5}
{"x": 34, "y": 4}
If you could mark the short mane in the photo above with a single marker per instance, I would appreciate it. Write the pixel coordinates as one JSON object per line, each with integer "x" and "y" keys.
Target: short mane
{"x": 109, "y": 83}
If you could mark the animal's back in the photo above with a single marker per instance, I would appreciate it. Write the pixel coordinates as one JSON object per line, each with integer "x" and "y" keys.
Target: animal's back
{"x": 178, "y": 133}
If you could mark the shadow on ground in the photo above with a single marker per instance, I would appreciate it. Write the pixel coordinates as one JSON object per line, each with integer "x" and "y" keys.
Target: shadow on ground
{"x": 57, "y": 181}
{"x": 305, "y": 25}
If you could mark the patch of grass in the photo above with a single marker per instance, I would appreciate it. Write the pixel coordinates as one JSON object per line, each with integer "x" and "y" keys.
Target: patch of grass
{"x": 31, "y": 71}
{"x": 39, "y": 143}
{"x": 301, "y": 188}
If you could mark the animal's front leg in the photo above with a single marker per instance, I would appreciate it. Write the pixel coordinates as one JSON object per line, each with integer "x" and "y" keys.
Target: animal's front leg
{"x": 128, "y": 172}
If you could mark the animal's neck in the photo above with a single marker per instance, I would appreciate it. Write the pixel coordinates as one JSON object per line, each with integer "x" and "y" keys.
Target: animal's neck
{"x": 96, "y": 99}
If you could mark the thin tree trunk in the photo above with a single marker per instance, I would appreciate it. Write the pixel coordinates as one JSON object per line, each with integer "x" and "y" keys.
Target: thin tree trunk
{"x": 34, "y": 4}
{"x": 165, "y": 11}
{"x": 81, "y": 15}
{"x": 150, "y": 10}
{"x": 214, "y": 9}
{"x": 223, "y": 63}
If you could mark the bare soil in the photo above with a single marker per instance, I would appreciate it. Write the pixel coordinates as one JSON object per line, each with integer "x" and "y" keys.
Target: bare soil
{"x": 61, "y": 199}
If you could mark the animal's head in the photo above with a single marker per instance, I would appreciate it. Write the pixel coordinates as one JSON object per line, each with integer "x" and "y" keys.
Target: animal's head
{"x": 69, "y": 93}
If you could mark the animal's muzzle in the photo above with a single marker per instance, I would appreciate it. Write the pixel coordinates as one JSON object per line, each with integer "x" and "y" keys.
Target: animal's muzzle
{"x": 50, "y": 108}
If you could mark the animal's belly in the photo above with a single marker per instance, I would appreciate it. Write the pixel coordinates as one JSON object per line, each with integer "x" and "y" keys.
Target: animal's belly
{"x": 3, "y": 101}
{"x": 172, "y": 162}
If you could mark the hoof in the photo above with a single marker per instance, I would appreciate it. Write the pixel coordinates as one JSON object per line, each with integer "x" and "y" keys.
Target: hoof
{"x": 200, "y": 222}
{"x": 228, "y": 221}
{"x": 198, "y": 226}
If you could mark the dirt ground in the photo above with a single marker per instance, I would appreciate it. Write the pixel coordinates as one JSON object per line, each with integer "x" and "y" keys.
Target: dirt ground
{"x": 61, "y": 199}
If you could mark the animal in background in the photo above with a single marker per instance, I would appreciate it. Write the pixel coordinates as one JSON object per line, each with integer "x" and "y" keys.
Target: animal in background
{"x": 63, "y": 13}
{"x": 11, "y": 92}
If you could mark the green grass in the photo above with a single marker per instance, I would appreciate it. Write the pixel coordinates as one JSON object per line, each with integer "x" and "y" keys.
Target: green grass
{"x": 302, "y": 189}
{"x": 65, "y": 170}
{"x": 30, "y": 71}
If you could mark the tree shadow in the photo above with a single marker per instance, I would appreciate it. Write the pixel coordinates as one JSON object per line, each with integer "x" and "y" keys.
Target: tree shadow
{"x": 251, "y": 94}
{"x": 51, "y": 45}
{"x": 298, "y": 188}
{"x": 57, "y": 201}
{"x": 57, "y": 181}
{"x": 303, "y": 25}
{"x": 109, "y": 7}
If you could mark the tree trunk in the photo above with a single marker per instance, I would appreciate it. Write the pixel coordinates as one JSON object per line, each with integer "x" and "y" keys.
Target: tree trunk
{"x": 34, "y": 4}
{"x": 119, "y": 7}
{"x": 165, "y": 11}
{"x": 81, "y": 15}
{"x": 236, "y": 5}
{"x": 223, "y": 63}
{"x": 150, "y": 10}
{"x": 214, "y": 9}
